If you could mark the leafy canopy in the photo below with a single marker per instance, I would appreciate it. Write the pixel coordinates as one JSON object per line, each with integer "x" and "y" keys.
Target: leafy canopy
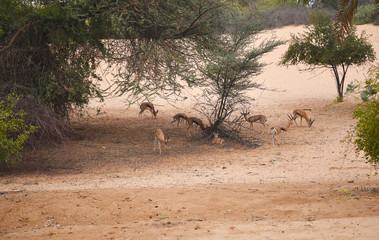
{"x": 320, "y": 47}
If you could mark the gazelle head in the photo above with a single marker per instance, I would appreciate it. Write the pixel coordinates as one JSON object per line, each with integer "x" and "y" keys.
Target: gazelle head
{"x": 216, "y": 139}
{"x": 166, "y": 140}
{"x": 245, "y": 114}
{"x": 155, "y": 113}
{"x": 290, "y": 117}
{"x": 311, "y": 121}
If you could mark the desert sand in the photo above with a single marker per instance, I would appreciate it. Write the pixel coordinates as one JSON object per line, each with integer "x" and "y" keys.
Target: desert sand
{"x": 108, "y": 183}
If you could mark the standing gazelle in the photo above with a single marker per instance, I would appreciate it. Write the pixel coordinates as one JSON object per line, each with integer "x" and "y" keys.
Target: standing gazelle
{"x": 302, "y": 114}
{"x": 283, "y": 128}
{"x": 178, "y": 117}
{"x": 255, "y": 119}
{"x": 150, "y": 107}
{"x": 217, "y": 140}
{"x": 196, "y": 122}
{"x": 160, "y": 138}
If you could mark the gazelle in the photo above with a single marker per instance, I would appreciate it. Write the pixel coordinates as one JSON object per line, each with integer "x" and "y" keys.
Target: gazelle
{"x": 178, "y": 117}
{"x": 150, "y": 107}
{"x": 194, "y": 121}
{"x": 217, "y": 140}
{"x": 255, "y": 119}
{"x": 283, "y": 128}
{"x": 160, "y": 138}
{"x": 302, "y": 114}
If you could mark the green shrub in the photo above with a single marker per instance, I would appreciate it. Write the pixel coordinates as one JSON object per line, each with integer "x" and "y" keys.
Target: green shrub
{"x": 367, "y": 128}
{"x": 367, "y": 14}
{"x": 13, "y": 130}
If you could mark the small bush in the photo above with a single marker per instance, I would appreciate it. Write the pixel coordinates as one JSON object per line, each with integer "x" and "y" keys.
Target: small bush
{"x": 366, "y": 130}
{"x": 13, "y": 130}
{"x": 367, "y": 14}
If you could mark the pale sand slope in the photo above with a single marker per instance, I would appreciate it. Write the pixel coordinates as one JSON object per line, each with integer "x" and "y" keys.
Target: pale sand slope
{"x": 292, "y": 83}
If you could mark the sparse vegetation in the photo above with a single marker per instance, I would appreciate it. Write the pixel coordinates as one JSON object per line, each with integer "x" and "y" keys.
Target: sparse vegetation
{"x": 13, "y": 130}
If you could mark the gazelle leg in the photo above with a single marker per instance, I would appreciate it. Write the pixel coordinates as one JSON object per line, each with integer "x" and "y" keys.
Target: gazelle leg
{"x": 274, "y": 131}
{"x": 188, "y": 133}
{"x": 294, "y": 119}
{"x": 159, "y": 145}
{"x": 274, "y": 139}
{"x": 155, "y": 139}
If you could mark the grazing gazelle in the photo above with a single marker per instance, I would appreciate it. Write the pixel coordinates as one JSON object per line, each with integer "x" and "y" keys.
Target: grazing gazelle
{"x": 255, "y": 118}
{"x": 178, "y": 117}
{"x": 217, "y": 140}
{"x": 160, "y": 138}
{"x": 302, "y": 114}
{"x": 150, "y": 107}
{"x": 194, "y": 121}
{"x": 283, "y": 128}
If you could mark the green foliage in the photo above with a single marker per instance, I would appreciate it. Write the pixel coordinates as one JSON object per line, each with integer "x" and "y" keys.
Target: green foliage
{"x": 367, "y": 130}
{"x": 367, "y": 14}
{"x": 50, "y": 52}
{"x": 320, "y": 47}
{"x": 13, "y": 131}
{"x": 228, "y": 67}
{"x": 163, "y": 40}
{"x": 332, "y": 4}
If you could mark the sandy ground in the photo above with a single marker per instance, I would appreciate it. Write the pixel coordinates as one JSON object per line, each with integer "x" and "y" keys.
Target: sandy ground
{"x": 108, "y": 183}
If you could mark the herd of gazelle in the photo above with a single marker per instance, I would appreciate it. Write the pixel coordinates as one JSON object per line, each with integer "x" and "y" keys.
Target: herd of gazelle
{"x": 192, "y": 122}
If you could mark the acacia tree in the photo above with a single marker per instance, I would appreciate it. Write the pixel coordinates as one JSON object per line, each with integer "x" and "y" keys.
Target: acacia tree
{"x": 50, "y": 50}
{"x": 156, "y": 42}
{"x": 48, "y": 56}
{"x": 228, "y": 68}
{"x": 320, "y": 47}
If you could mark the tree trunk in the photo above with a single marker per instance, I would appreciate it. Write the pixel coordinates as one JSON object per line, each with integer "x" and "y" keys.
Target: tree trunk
{"x": 339, "y": 84}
